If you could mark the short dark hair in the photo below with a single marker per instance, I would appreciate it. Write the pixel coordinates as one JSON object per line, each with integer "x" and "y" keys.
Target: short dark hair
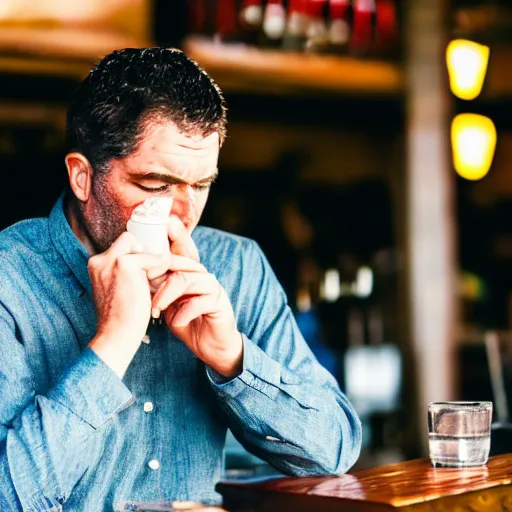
{"x": 128, "y": 88}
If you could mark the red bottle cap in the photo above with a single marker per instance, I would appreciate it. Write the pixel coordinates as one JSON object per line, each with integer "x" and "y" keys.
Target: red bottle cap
{"x": 315, "y": 8}
{"x": 227, "y": 19}
{"x": 338, "y": 9}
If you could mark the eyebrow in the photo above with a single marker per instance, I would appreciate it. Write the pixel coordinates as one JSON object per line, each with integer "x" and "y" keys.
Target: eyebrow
{"x": 172, "y": 180}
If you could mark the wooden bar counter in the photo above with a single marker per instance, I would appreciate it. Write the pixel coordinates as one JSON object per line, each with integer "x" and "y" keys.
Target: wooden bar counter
{"x": 413, "y": 486}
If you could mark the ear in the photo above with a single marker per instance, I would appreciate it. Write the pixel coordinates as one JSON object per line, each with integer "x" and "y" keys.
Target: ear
{"x": 80, "y": 175}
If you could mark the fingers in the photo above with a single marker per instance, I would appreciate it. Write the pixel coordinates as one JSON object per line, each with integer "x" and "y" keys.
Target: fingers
{"x": 179, "y": 284}
{"x": 193, "y": 308}
{"x": 153, "y": 264}
{"x": 174, "y": 263}
{"x": 181, "y": 241}
{"x": 125, "y": 244}
{"x": 128, "y": 251}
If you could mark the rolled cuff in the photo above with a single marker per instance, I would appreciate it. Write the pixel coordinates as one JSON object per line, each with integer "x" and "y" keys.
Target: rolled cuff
{"x": 91, "y": 390}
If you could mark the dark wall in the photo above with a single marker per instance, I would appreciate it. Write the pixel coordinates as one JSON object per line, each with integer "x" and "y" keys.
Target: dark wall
{"x": 31, "y": 148}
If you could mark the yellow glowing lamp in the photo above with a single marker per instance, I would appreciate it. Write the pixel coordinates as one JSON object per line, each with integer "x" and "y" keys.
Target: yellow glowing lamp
{"x": 473, "y": 145}
{"x": 467, "y": 66}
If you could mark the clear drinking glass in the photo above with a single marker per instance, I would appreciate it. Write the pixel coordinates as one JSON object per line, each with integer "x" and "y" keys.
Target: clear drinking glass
{"x": 459, "y": 433}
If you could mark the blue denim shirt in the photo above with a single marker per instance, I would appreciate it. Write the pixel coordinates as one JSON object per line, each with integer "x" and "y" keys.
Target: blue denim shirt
{"x": 75, "y": 437}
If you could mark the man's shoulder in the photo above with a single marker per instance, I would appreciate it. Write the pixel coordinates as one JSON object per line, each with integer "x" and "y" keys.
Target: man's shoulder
{"x": 222, "y": 252}
{"x": 25, "y": 239}
{"x": 212, "y": 239}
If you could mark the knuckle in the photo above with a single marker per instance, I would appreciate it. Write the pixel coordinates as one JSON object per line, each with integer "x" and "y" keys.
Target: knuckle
{"x": 94, "y": 262}
{"x": 122, "y": 263}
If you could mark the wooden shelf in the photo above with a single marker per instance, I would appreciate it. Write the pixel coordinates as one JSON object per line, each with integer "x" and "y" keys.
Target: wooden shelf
{"x": 67, "y": 52}
{"x": 240, "y": 68}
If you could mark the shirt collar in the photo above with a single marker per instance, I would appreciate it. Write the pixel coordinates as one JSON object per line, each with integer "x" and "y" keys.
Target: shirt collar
{"x": 68, "y": 245}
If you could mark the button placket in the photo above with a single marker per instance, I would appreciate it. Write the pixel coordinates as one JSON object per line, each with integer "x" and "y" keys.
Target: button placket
{"x": 154, "y": 464}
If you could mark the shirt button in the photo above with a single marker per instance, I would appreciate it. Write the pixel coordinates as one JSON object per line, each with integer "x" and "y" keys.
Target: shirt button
{"x": 154, "y": 464}
{"x": 148, "y": 406}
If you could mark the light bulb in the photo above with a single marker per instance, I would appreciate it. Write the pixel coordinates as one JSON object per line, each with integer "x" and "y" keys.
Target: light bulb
{"x": 473, "y": 145}
{"x": 467, "y": 66}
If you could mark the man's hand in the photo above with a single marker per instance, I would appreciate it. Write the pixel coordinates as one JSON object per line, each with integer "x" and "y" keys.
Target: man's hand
{"x": 197, "y": 310}
{"x": 181, "y": 243}
{"x": 120, "y": 282}
{"x": 180, "y": 239}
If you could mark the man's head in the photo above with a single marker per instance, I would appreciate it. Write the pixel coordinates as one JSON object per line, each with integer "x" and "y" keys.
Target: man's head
{"x": 144, "y": 122}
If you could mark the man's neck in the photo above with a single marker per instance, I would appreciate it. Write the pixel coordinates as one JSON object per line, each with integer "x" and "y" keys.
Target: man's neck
{"x": 74, "y": 218}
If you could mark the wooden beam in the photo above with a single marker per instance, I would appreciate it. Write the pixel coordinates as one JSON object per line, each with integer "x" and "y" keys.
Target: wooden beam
{"x": 430, "y": 244}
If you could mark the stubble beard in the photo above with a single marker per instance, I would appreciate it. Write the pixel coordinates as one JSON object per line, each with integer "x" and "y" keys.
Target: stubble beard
{"x": 101, "y": 220}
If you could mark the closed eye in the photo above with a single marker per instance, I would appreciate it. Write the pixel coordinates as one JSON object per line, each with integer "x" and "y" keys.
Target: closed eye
{"x": 163, "y": 188}
{"x": 202, "y": 186}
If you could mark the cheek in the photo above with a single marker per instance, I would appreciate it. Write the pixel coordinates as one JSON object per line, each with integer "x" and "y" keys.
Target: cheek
{"x": 113, "y": 196}
{"x": 128, "y": 198}
{"x": 126, "y": 212}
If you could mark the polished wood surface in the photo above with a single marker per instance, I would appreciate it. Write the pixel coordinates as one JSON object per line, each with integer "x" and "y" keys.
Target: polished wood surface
{"x": 409, "y": 486}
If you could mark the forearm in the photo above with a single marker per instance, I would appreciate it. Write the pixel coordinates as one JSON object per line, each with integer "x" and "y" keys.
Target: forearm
{"x": 300, "y": 426}
{"x": 44, "y": 451}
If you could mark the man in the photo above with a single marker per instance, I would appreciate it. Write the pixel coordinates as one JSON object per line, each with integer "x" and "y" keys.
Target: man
{"x": 89, "y": 415}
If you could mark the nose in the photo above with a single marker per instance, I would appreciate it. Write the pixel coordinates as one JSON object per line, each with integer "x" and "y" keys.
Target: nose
{"x": 183, "y": 204}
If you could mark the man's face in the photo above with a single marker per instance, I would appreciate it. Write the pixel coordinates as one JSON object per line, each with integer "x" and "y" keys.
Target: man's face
{"x": 168, "y": 163}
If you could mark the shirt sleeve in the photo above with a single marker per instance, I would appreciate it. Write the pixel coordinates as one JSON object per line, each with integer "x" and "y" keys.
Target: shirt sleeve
{"x": 284, "y": 407}
{"x": 44, "y": 440}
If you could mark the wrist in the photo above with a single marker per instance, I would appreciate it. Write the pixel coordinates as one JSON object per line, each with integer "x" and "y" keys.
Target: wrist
{"x": 116, "y": 352}
{"x": 230, "y": 364}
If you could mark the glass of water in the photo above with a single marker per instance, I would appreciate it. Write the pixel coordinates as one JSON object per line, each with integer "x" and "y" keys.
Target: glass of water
{"x": 459, "y": 433}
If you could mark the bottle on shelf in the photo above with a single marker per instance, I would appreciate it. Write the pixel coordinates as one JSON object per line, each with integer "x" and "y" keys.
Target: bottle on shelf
{"x": 317, "y": 35}
{"x": 339, "y": 25}
{"x": 386, "y": 24}
{"x": 296, "y": 26}
{"x": 363, "y": 26}
{"x": 251, "y": 14}
{"x": 274, "y": 24}
{"x": 197, "y": 16}
{"x": 227, "y": 28}
{"x": 251, "y": 20}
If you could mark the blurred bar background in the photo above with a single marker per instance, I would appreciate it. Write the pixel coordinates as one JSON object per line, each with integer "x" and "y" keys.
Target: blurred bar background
{"x": 389, "y": 228}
